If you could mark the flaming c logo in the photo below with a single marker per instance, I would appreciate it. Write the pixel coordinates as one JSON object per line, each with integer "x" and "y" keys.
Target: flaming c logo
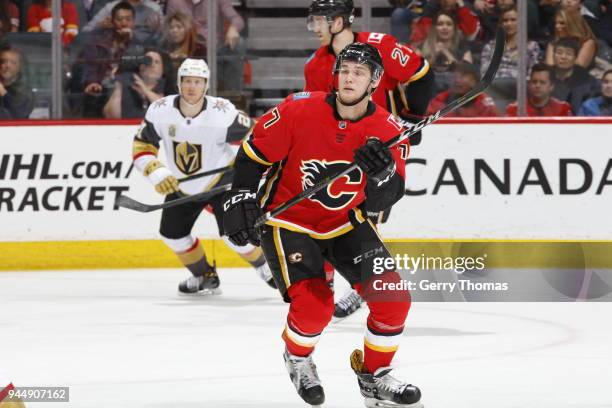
{"x": 345, "y": 188}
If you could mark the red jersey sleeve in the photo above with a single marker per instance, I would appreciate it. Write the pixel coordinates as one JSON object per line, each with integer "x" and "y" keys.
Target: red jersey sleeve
{"x": 401, "y": 150}
{"x": 271, "y": 137}
{"x": 401, "y": 62}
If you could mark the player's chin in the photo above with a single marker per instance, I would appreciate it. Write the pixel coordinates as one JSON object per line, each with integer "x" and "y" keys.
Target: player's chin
{"x": 347, "y": 97}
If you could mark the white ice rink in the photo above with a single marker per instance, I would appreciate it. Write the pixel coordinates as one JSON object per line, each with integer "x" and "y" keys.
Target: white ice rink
{"x": 126, "y": 339}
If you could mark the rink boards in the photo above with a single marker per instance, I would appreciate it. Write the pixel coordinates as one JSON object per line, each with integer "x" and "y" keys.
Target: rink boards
{"x": 511, "y": 187}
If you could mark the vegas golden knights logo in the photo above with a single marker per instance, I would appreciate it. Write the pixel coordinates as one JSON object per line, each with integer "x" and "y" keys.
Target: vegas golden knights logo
{"x": 172, "y": 130}
{"x": 188, "y": 157}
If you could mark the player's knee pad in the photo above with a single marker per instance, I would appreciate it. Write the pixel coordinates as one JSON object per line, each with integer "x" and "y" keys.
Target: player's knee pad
{"x": 181, "y": 244}
{"x": 312, "y": 305}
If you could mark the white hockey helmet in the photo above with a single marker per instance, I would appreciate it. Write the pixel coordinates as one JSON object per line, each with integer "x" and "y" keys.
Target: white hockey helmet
{"x": 194, "y": 67}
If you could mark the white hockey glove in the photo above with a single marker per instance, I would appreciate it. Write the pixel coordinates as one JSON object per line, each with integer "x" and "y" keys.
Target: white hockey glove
{"x": 162, "y": 178}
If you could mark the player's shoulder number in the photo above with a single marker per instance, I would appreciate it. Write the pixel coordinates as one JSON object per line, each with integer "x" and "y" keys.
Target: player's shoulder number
{"x": 400, "y": 52}
{"x": 274, "y": 119}
{"x": 243, "y": 119}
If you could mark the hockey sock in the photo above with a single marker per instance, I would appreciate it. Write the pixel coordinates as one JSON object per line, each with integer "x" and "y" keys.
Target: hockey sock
{"x": 256, "y": 257}
{"x": 388, "y": 312}
{"x": 379, "y": 346}
{"x": 311, "y": 309}
{"x": 194, "y": 259}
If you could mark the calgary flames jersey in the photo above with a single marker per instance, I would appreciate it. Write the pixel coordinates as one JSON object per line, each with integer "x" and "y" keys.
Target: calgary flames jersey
{"x": 401, "y": 63}
{"x": 193, "y": 145}
{"x": 304, "y": 140}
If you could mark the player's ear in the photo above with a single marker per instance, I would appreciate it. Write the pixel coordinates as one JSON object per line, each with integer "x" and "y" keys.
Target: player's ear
{"x": 375, "y": 83}
{"x": 338, "y": 24}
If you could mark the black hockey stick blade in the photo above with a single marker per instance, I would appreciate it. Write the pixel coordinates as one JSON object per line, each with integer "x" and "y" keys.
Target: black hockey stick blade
{"x": 206, "y": 173}
{"x": 129, "y": 203}
{"x": 498, "y": 53}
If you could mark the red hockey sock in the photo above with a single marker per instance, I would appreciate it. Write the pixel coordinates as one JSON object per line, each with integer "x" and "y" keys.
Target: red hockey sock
{"x": 388, "y": 312}
{"x": 312, "y": 305}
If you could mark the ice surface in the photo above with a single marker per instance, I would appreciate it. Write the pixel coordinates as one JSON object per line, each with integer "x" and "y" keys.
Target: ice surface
{"x": 125, "y": 338}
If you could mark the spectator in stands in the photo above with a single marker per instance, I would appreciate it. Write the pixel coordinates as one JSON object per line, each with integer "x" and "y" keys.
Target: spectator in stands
{"x": 601, "y": 105}
{"x": 404, "y": 12}
{"x": 466, "y": 19}
{"x": 232, "y": 48}
{"x": 579, "y": 7}
{"x": 16, "y": 100}
{"x": 509, "y": 64}
{"x": 179, "y": 39}
{"x": 539, "y": 95}
{"x": 466, "y": 77}
{"x": 134, "y": 92}
{"x": 443, "y": 47}
{"x": 9, "y": 17}
{"x": 572, "y": 82}
{"x": 503, "y": 88}
{"x": 571, "y": 24}
{"x": 487, "y": 12}
{"x": 39, "y": 19}
{"x": 87, "y": 9}
{"x": 101, "y": 58}
{"x": 147, "y": 23}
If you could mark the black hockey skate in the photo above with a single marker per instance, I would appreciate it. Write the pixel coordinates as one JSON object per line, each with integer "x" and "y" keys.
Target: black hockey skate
{"x": 206, "y": 284}
{"x": 303, "y": 374}
{"x": 381, "y": 390}
{"x": 348, "y": 304}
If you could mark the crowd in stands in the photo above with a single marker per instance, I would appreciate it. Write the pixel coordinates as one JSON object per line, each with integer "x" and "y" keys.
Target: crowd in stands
{"x": 121, "y": 55}
{"x": 569, "y": 52}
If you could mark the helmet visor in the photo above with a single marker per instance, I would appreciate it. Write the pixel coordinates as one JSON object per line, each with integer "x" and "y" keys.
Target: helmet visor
{"x": 314, "y": 21}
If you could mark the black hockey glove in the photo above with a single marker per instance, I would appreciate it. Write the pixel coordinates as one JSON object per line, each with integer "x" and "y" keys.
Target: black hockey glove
{"x": 240, "y": 211}
{"x": 376, "y": 161}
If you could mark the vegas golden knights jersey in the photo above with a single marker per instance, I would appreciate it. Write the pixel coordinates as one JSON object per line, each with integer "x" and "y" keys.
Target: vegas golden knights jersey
{"x": 193, "y": 145}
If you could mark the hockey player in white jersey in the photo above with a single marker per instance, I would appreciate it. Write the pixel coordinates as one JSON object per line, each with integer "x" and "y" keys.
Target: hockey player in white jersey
{"x": 196, "y": 131}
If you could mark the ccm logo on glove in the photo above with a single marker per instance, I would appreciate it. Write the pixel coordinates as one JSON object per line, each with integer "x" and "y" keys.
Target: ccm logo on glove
{"x": 238, "y": 198}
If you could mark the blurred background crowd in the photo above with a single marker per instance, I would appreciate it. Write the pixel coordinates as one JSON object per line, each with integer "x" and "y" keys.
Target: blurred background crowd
{"x": 117, "y": 57}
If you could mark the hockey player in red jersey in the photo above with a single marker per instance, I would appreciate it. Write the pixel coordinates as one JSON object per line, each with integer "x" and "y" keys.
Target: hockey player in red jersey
{"x": 299, "y": 143}
{"x": 406, "y": 86}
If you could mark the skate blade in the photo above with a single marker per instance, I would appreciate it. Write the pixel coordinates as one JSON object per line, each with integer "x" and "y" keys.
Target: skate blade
{"x": 203, "y": 293}
{"x": 375, "y": 403}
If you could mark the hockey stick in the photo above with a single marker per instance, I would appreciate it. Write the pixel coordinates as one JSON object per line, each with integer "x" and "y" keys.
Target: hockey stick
{"x": 130, "y": 203}
{"x": 500, "y": 39}
{"x": 206, "y": 173}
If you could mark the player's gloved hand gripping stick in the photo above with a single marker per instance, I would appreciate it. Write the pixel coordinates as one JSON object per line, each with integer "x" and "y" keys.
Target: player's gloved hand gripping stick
{"x": 129, "y": 203}
{"x": 500, "y": 39}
